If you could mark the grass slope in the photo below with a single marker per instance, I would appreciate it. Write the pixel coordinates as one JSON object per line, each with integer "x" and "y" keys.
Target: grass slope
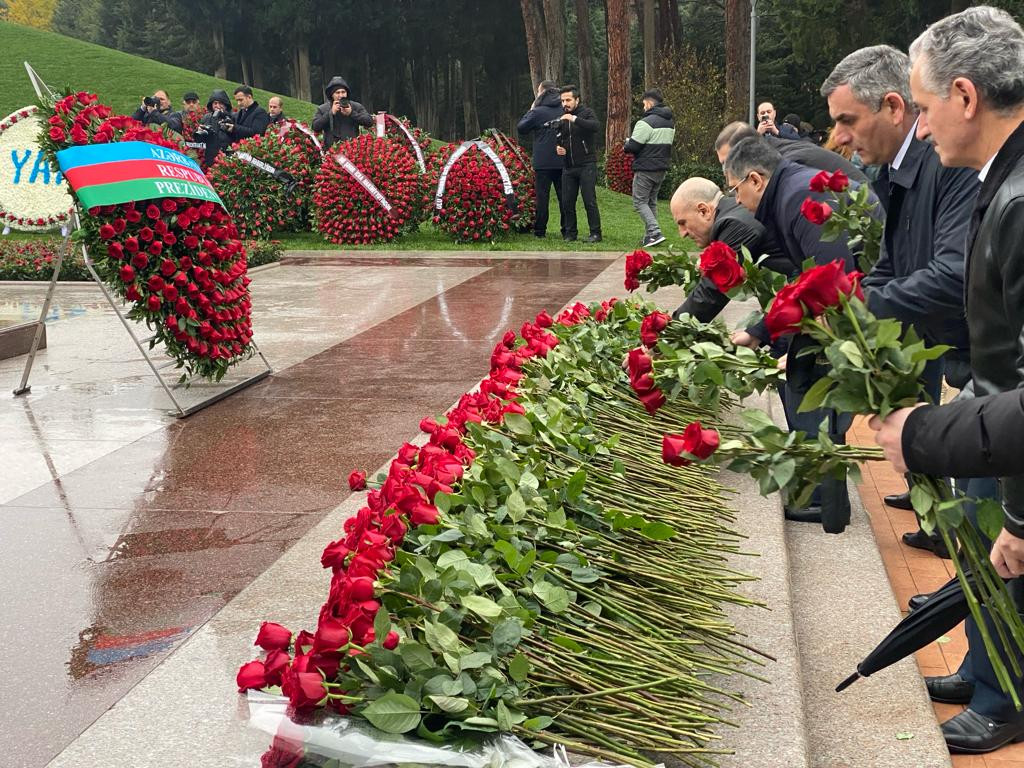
{"x": 621, "y": 229}
{"x": 119, "y": 78}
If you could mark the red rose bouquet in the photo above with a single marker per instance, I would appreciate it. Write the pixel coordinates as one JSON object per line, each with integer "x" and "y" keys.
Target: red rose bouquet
{"x": 849, "y": 213}
{"x": 178, "y": 261}
{"x": 297, "y": 134}
{"x": 618, "y": 170}
{"x": 474, "y": 206}
{"x": 264, "y": 202}
{"x": 189, "y": 122}
{"x": 345, "y": 212}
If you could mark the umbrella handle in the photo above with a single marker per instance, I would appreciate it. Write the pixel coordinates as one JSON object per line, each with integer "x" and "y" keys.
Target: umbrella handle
{"x": 847, "y": 682}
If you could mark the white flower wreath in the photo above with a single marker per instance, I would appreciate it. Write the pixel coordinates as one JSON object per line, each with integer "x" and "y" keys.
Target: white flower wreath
{"x": 32, "y": 196}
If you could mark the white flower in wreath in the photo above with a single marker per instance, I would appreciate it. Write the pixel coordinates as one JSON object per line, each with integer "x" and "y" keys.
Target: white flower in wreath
{"x": 32, "y": 196}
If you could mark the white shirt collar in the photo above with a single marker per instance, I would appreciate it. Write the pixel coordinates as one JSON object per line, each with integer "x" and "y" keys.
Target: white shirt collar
{"x": 987, "y": 167}
{"x": 898, "y": 160}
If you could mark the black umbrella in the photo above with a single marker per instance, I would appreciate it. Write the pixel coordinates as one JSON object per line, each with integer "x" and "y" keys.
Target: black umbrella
{"x": 946, "y": 608}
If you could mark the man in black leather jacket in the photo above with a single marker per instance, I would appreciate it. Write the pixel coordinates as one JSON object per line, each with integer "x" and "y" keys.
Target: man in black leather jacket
{"x": 577, "y": 146}
{"x": 547, "y": 165}
{"x": 968, "y": 79}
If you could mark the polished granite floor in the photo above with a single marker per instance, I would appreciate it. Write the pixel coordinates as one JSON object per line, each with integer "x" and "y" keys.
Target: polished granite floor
{"x": 124, "y": 529}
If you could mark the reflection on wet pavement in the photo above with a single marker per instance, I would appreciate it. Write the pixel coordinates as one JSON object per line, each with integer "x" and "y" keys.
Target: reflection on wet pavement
{"x": 125, "y": 530}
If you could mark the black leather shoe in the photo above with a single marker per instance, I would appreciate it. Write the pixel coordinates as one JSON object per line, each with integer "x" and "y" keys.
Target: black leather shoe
{"x": 898, "y": 500}
{"x": 921, "y": 540}
{"x": 949, "y": 689}
{"x": 805, "y": 515}
{"x": 973, "y": 734}
{"x": 917, "y": 601}
{"x": 593, "y": 239}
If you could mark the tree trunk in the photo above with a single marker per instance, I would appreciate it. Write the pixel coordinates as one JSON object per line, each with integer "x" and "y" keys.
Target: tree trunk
{"x": 257, "y": 70}
{"x": 665, "y": 29}
{"x": 246, "y": 63}
{"x": 470, "y": 118}
{"x": 650, "y": 41}
{"x": 585, "y": 50}
{"x": 536, "y": 51}
{"x": 220, "y": 53}
{"x": 300, "y": 72}
{"x": 619, "y": 72}
{"x": 554, "y": 35}
{"x": 737, "y": 59}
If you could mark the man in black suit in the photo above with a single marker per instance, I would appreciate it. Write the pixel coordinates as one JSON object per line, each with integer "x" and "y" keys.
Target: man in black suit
{"x": 705, "y": 215}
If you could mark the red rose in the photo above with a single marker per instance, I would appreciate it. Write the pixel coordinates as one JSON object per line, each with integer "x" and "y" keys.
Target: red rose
{"x": 719, "y": 264}
{"x": 544, "y": 320}
{"x": 786, "y": 312}
{"x": 156, "y": 247}
{"x": 251, "y": 675}
{"x": 146, "y": 234}
{"x": 140, "y": 260}
{"x": 820, "y": 182}
{"x": 155, "y": 283}
{"x": 273, "y": 637}
{"x": 107, "y": 232}
{"x": 652, "y": 400}
{"x": 307, "y": 690}
{"x": 153, "y": 302}
{"x": 639, "y": 362}
{"x": 361, "y": 589}
{"x": 131, "y": 245}
{"x": 78, "y": 135}
{"x": 275, "y": 665}
{"x": 838, "y": 182}
{"x": 391, "y": 641}
{"x": 57, "y": 134}
{"x": 820, "y": 287}
{"x": 357, "y": 480}
{"x": 651, "y": 326}
{"x": 815, "y": 212}
{"x": 153, "y": 212}
{"x": 127, "y": 274}
{"x": 695, "y": 441}
{"x": 167, "y": 267}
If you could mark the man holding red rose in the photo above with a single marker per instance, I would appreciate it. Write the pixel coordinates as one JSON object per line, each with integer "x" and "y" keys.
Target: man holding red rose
{"x": 919, "y": 277}
{"x": 967, "y": 78}
{"x": 774, "y": 191}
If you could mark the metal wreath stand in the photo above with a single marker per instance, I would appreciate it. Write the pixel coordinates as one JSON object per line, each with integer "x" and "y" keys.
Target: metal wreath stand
{"x": 45, "y": 93}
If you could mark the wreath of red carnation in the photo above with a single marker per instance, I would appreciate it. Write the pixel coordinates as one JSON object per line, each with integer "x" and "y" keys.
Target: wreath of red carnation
{"x": 618, "y": 170}
{"x": 474, "y": 206}
{"x": 179, "y": 262}
{"x": 260, "y": 203}
{"x": 344, "y": 211}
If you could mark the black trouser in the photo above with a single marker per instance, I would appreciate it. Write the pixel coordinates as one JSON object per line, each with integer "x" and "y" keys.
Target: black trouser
{"x": 575, "y": 180}
{"x": 545, "y": 178}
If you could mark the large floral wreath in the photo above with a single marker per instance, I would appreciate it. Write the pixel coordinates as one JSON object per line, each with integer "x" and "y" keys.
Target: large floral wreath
{"x": 618, "y": 170}
{"x": 32, "y": 197}
{"x": 179, "y": 261}
{"x": 345, "y": 211}
{"x": 474, "y": 206}
{"x": 261, "y": 202}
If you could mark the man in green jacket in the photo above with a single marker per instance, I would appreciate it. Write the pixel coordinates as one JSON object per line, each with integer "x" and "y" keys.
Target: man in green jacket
{"x": 651, "y": 147}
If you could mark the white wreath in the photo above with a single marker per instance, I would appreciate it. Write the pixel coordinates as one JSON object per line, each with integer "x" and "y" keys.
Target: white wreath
{"x": 33, "y": 197}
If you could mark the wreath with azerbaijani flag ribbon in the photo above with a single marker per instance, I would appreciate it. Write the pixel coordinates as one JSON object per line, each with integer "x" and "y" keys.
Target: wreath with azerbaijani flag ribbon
{"x": 157, "y": 231}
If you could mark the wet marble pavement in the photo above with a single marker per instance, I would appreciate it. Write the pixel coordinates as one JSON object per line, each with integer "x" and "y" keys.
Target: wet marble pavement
{"x": 125, "y": 529}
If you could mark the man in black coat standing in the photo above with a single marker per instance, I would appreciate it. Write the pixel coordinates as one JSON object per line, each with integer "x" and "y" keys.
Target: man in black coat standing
{"x": 547, "y": 165}
{"x": 919, "y": 278}
{"x": 577, "y": 146}
{"x": 250, "y": 120}
{"x": 339, "y": 118}
{"x": 705, "y": 215}
{"x": 968, "y": 79}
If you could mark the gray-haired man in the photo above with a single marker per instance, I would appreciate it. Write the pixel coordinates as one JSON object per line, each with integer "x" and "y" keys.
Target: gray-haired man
{"x": 967, "y": 77}
{"x": 919, "y": 278}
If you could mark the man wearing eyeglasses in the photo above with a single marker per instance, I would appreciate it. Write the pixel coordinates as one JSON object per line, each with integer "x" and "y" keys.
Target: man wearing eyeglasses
{"x": 774, "y": 191}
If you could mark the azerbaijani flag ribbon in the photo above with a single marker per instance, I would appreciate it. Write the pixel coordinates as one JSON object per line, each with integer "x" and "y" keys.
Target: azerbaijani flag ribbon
{"x": 110, "y": 174}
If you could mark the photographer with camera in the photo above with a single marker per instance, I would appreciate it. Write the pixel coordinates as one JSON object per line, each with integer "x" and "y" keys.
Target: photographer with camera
{"x": 766, "y": 123}
{"x": 250, "y": 120}
{"x": 577, "y": 146}
{"x": 339, "y": 117}
{"x": 212, "y": 128}
{"x": 542, "y": 120}
{"x": 156, "y": 110}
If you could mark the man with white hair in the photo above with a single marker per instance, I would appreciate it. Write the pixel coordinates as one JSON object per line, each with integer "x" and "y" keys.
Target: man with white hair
{"x": 919, "y": 278}
{"x": 967, "y": 78}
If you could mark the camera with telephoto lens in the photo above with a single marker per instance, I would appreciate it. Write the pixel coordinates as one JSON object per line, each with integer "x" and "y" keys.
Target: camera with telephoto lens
{"x": 344, "y": 103}
{"x": 151, "y": 101}
{"x": 221, "y": 117}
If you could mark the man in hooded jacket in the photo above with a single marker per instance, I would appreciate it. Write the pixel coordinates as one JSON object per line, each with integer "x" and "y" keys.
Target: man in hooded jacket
{"x": 211, "y": 125}
{"x": 339, "y": 118}
{"x": 651, "y": 147}
{"x": 547, "y": 165}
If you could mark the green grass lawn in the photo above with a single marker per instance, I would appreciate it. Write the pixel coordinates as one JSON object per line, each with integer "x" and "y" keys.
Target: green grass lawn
{"x": 120, "y": 79}
{"x": 621, "y": 228}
